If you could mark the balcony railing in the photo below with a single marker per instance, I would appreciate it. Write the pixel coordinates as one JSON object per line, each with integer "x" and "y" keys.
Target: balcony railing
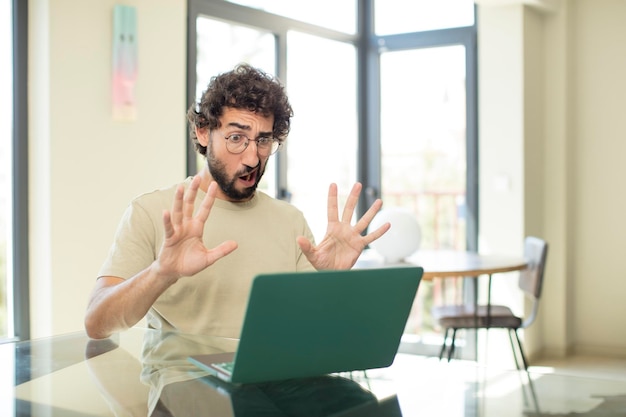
{"x": 441, "y": 216}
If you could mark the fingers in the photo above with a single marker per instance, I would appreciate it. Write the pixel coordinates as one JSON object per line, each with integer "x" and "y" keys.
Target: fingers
{"x": 185, "y": 200}
{"x": 207, "y": 203}
{"x": 348, "y": 210}
{"x": 332, "y": 205}
{"x": 190, "y": 197}
{"x": 177, "y": 205}
{"x": 184, "y": 205}
{"x": 364, "y": 221}
{"x": 372, "y": 236}
{"x": 309, "y": 250}
{"x": 367, "y": 218}
{"x": 353, "y": 199}
{"x": 222, "y": 250}
{"x": 305, "y": 245}
{"x": 167, "y": 224}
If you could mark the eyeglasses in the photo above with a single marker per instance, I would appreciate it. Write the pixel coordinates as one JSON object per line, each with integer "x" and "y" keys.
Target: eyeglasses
{"x": 238, "y": 142}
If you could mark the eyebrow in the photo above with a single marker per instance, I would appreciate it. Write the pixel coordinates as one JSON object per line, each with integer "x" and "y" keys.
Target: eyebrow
{"x": 248, "y": 128}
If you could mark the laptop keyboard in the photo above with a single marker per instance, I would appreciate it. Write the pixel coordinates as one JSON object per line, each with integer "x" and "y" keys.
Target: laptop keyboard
{"x": 226, "y": 366}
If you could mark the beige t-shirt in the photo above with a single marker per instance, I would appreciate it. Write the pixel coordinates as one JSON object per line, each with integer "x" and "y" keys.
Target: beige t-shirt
{"x": 213, "y": 301}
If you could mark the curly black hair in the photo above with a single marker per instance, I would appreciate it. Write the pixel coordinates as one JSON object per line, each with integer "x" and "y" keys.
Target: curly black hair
{"x": 245, "y": 87}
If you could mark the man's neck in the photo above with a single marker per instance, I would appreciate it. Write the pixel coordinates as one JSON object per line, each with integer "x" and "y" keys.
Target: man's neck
{"x": 206, "y": 177}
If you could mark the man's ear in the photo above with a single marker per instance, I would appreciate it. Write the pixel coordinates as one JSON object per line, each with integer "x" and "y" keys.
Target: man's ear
{"x": 202, "y": 133}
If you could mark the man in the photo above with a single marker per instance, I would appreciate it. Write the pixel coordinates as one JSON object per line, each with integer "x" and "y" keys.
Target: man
{"x": 190, "y": 268}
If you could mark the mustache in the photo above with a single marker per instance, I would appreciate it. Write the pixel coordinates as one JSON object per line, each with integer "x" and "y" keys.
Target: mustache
{"x": 247, "y": 170}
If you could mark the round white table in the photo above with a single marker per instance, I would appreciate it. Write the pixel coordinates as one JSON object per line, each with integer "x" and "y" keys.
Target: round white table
{"x": 448, "y": 263}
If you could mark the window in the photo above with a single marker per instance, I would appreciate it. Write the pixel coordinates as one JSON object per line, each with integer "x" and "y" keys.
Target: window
{"x": 391, "y": 105}
{"x": 6, "y": 187}
{"x": 424, "y": 158}
{"x": 342, "y": 17}
{"x": 233, "y": 44}
{"x": 14, "y": 311}
{"x": 324, "y": 129}
{"x": 423, "y": 140}
{"x": 422, "y": 15}
{"x": 428, "y": 138}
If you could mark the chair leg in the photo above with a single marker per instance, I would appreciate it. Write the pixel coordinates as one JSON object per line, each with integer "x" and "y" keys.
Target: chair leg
{"x": 521, "y": 351}
{"x": 443, "y": 345}
{"x": 451, "y": 349}
{"x": 514, "y": 349}
{"x": 531, "y": 387}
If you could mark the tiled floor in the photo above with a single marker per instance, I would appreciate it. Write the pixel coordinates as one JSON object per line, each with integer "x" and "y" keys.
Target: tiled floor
{"x": 585, "y": 366}
{"x": 579, "y": 386}
{"x": 499, "y": 355}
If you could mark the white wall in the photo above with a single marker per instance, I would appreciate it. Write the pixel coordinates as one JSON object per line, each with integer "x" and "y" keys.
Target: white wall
{"x": 501, "y": 129}
{"x": 598, "y": 173}
{"x": 84, "y": 166}
{"x": 564, "y": 61}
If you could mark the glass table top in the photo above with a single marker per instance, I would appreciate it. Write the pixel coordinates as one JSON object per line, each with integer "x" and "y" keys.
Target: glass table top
{"x": 144, "y": 372}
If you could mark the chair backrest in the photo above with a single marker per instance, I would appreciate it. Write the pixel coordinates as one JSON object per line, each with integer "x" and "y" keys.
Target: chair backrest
{"x": 531, "y": 278}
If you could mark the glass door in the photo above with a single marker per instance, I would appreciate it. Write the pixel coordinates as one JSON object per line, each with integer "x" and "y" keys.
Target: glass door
{"x": 322, "y": 145}
{"x": 424, "y": 163}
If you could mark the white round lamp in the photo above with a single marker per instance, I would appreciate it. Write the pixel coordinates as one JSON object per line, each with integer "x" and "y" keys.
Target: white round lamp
{"x": 401, "y": 240}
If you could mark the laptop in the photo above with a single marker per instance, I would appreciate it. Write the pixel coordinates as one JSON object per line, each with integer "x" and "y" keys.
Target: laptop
{"x": 306, "y": 324}
{"x": 293, "y": 397}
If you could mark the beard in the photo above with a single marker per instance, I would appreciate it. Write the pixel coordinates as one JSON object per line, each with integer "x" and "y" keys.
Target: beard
{"x": 227, "y": 184}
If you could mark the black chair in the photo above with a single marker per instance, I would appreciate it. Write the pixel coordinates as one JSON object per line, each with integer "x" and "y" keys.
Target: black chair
{"x": 455, "y": 317}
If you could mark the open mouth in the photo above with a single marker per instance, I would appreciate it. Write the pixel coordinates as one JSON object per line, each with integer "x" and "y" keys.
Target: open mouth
{"x": 250, "y": 178}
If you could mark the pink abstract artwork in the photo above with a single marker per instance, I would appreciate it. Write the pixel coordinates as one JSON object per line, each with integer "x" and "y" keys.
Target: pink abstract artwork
{"x": 124, "y": 63}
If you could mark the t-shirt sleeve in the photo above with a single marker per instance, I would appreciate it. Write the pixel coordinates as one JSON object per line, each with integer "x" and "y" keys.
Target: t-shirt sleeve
{"x": 135, "y": 245}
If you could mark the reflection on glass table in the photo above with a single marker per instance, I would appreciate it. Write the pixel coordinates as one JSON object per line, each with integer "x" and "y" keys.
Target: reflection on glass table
{"x": 146, "y": 373}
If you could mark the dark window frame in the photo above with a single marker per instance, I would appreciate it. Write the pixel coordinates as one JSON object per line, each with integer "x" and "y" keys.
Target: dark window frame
{"x": 257, "y": 19}
{"x": 369, "y": 47}
{"x": 19, "y": 235}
